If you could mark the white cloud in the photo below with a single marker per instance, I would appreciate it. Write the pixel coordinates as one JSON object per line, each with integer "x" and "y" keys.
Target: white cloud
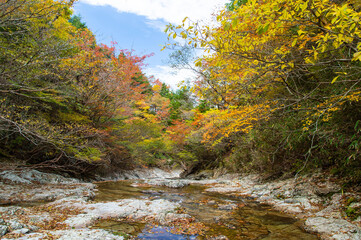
{"x": 157, "y": 24}
{"x": 173, "y": 11}
{"x": 170, "y": 76}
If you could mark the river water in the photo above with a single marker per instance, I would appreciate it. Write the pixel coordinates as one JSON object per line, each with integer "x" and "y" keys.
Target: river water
{"x": 215, "y": 216}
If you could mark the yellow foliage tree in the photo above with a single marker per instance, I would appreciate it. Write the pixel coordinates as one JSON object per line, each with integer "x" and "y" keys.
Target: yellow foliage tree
{"x": 274, "y": 55}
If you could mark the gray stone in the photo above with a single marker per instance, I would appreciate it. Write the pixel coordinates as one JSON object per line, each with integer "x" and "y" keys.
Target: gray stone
{"x": 14, "y": 225}
{"x": 88, "y": 234}
{"x": 3, "y": 230}
{"x": 205, "y": 174}
{"x": 322, "y": 189}
{"x": 290, "y": 200}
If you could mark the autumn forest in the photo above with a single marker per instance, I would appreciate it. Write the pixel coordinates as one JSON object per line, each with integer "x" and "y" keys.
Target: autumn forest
{"x": 278, "y": 92}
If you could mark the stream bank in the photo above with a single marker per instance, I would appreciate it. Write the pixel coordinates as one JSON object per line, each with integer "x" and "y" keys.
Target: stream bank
{"x": 48, "y": 206}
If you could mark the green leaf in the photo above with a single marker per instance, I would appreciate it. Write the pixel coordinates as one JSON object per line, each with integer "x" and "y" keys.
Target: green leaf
{"x": 235, "y": 22}
{"x": 262, "y": 29}
{"x": 227, "y": 26}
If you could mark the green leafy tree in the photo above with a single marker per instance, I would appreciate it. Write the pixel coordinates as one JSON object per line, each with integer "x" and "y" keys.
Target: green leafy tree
{"x": 77, "y": 22}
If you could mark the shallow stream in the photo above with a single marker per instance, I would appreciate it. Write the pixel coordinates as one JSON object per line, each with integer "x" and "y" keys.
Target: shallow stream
{"x": 220, "y": 216}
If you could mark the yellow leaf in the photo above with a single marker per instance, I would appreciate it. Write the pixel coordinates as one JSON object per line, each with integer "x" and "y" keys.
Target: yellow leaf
{"x": 334, "y": 79}
{"x": 356, "y": 56}
{"x": 198, "y": 63}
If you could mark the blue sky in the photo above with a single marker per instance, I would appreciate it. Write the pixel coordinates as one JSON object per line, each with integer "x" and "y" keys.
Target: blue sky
{"x": 139, "y": 25}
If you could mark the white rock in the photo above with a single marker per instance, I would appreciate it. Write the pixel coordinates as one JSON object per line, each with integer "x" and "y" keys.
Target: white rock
{"x": 72, "y": 234}
{"x": 169, "y": 182}
{"x": 134, "y": 208}
{"x": 29, "y": 176}
{"x": 224, "y": 189}
{"x": 337, "y": 227}
{"x": 3, "y": 230}
{"x": 289, "y": 208}
{"x": 144, "y": 174}
{"x": 10, "y": 176}
{"x": 21, "y": 231}
{"x": 30, "y": 236}
{"x": 14, "y": 225}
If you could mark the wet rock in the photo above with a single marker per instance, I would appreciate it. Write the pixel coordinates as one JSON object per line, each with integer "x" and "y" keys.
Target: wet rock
{"x": 171, "y": 217}
{"x": 221, "y": 237}
{"x": 288, "y": 208}
{"x": 225, "y": 189}
{"x": 3, "y": 230}
{"x": 118, "y": 227}
{"x": 230, "y": 226}
{"x": 227, "y": 206}
{"x": 217, "y": 219}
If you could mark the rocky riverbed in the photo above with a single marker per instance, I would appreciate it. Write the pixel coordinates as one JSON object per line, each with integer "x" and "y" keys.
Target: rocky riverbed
{"x": 38, "y": 205}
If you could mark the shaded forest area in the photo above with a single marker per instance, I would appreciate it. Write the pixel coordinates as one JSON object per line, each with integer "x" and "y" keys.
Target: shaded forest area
{"x": 278, "y": 92}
